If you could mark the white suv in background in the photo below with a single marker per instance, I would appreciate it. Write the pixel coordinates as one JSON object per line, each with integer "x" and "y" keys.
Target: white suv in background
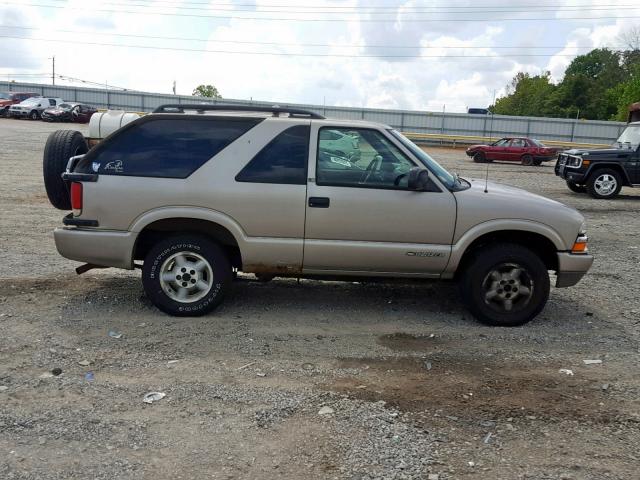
{"x": 33, "y": 107}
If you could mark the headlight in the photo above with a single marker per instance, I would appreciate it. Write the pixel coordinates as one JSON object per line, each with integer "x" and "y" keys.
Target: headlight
{"x": 574, "y": 162}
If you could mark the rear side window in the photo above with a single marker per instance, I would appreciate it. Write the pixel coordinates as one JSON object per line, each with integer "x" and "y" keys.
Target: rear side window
{"x": 283, "y": 160}
{"x": 166, "y": 147}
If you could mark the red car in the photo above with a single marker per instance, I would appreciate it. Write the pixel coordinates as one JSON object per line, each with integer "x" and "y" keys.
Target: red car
{"x": 527, "y": 151}
{"x": 13, "y": 98}
{"x": 68, "y": 112}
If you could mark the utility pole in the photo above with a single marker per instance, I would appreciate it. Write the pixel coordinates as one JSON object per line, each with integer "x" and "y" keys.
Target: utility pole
{"x": 53, "y": 69}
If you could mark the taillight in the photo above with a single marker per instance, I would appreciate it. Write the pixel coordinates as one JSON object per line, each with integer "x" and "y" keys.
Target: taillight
{"x": 76, "y": 198}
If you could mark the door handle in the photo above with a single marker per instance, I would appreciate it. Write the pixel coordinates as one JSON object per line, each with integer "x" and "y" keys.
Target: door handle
{"x": 319, "y": 202}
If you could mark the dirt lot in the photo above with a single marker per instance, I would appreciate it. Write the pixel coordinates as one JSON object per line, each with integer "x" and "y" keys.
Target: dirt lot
{"x": 416, "y": 387}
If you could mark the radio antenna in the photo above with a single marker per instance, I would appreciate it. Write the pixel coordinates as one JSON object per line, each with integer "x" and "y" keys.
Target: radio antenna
{"x": 486, "y": 177}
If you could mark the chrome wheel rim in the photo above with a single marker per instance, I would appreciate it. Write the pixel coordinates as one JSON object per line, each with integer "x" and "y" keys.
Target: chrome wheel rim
{"x": 507, "y": 288}
{"x": 186, "y": 277}
{"x": 605, "y": 184}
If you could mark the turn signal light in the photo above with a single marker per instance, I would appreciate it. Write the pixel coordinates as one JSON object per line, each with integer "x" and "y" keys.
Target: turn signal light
{"x": 580, "y": 245}
{"x": 585, "y": 163}
{"x": 76, "y": 198}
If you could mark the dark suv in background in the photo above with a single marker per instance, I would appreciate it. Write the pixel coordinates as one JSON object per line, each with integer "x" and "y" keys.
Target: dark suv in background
{"x": 12, "y": 98}
{"x": 603, "y": 172}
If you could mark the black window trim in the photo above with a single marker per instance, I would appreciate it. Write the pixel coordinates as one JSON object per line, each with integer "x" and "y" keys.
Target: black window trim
{"x": 376, "y": 187}
{"x": 93, "y": 152}
{"x": 269, "y": 143}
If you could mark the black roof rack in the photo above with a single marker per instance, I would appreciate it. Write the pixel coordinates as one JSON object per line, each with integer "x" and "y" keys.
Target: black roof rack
{"x": 181, "y": 107}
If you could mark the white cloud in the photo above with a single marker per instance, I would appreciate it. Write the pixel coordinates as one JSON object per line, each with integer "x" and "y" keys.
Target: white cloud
{"x": 375, "y": 81}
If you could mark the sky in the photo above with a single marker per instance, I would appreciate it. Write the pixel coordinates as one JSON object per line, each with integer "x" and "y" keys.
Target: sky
{"x": 419, "y": 55}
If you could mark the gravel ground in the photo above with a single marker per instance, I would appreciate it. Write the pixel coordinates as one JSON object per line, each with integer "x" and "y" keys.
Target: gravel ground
{"x": 313, "y": 379}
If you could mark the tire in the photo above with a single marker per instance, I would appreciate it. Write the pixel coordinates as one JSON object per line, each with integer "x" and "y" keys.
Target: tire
{"x": 60, "y": 146}
{"x": 479, "y": 157}
{"x": 537, "y": 163}
{"x": 575, "y": 187}
{"x": 483, "y": 275}
{"x": 526, "y": 160}
{"x": 264, "y": 277}
{"x": 604, "y": 183}
{"x": 34, "y": 115}
{"x": 163, "y": 258}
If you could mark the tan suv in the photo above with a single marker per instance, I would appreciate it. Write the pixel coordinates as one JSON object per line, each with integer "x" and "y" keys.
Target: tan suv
{"x": 192, "y": 194}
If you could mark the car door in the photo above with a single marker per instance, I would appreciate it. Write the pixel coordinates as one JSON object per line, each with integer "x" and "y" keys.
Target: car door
{"x": 635, "y": 167}
{"x": 515, "y": 149}
{"x": 362, "y": 219}
{"x": 497, "y": 151}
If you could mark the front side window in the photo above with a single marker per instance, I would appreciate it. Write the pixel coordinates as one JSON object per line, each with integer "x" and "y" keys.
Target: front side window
{"x": 172, "y": 147}
{"x": 360, "y": 158}
{"x": 283, "y": 160}
{"x": 52, "y": 102}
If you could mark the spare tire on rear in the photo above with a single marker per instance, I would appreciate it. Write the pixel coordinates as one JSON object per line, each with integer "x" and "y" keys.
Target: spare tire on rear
{"x": 61, "y": 145}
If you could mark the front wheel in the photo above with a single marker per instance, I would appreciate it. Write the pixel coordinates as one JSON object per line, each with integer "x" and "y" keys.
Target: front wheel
{"x": 479, "y": 157}
{"x": 34, "y": 115}
{"x": 186, "y": 275}
{"x": 505, "y": 285}
{"x": 604, "y": 183}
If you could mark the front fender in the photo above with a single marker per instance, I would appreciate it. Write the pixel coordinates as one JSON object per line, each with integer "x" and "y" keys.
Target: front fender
{"x": 498, "y": 225}
{"x": 614, "y": 165}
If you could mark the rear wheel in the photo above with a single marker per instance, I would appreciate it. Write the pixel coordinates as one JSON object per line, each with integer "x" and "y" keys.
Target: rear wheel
{"x": 604, "y": 183}
{"x": 505, "y": 285}
{"x": 576, "y": 187}
{"x": 186, "y": 275}
{"x": 527, "y": 160}
{"x": 60, "y": 146}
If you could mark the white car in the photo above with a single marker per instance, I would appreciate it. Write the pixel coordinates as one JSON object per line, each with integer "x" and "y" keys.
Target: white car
{"x": 341, "y": 144}
{"x": 33, "y": 107}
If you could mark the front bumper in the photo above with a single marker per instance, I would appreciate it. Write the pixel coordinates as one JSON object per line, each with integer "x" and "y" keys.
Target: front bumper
{"x": 19, "y": 113}
{"x": 571, "y": 268}
{"x": 107, "y": 248}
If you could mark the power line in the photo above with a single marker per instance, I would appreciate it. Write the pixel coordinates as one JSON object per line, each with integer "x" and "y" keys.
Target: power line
{"x": 246, "y": 42}
{"x": 332, "y": 10}
{"x": 288, "y": 19}
{"x": 284, "y": 54}
{"x": 360, "y": 8}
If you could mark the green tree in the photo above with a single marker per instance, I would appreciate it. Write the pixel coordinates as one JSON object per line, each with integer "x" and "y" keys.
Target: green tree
{"x": 586, "y": 82}
{"x": 624, "y": 94}
{"x": 206, "y": 91}
{"x": 527, "y": 95}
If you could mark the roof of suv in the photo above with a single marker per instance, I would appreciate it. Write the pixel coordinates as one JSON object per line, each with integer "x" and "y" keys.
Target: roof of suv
{"x": 259, "y": 111}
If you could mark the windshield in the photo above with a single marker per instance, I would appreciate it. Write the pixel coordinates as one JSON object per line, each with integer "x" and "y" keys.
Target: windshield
{"x": 630, "y": 137}
{"x": 445, "y": 177}
{"x": 5, "y": 96}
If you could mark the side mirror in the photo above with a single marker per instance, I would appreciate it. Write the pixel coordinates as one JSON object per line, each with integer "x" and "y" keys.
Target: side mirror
{"x": 418, "y": 179}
